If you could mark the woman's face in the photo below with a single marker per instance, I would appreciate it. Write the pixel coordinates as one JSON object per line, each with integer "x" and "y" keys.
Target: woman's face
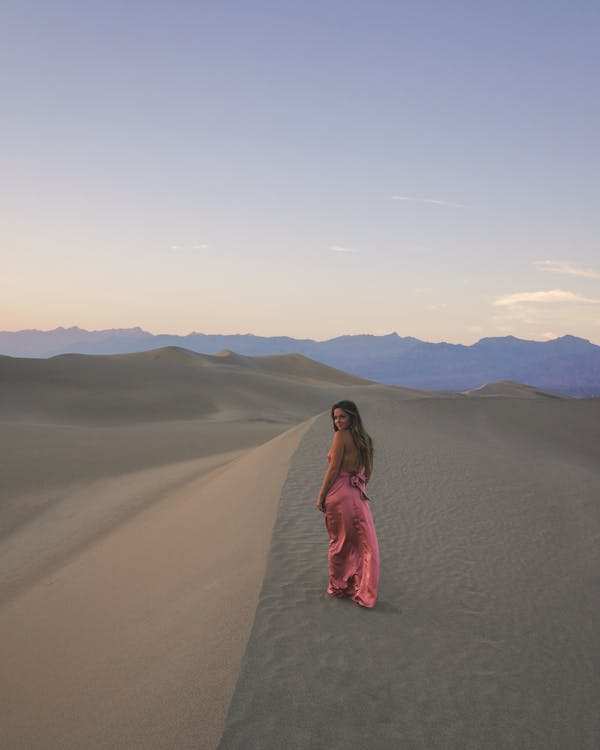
{"x": 342, "y": 419}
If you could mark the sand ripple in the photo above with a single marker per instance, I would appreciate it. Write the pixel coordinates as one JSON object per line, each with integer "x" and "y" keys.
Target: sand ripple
{"x": 486, "y": 630}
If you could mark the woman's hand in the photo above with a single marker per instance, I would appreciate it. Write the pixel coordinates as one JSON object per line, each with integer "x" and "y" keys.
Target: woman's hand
{"x": 321, "y": 503}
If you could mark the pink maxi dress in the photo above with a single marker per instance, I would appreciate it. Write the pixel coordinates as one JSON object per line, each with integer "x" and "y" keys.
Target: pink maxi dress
{"x": 353, "y": 554}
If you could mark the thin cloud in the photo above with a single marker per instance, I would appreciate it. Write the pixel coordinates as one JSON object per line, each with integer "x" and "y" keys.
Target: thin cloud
{"x": 341, "y": 249}
{"x": 553, "y": 295}
{"x": 433, "y": 201}
{"x": 566, "y": 268}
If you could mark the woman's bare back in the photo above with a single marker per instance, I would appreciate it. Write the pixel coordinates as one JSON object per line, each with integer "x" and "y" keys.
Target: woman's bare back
{"x": 351, "y": 457}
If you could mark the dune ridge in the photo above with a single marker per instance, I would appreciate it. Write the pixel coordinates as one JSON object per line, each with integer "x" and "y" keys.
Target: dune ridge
{"x": 81, "y": 514}
{"x": 136, "y": 640}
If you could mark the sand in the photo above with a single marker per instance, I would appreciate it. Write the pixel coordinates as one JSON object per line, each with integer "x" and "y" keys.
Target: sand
{"x": 133, "y": 540}
{"x": 163, "y": 568}
{"x": 136, "y": 641}
{"x": 485, "y": 634}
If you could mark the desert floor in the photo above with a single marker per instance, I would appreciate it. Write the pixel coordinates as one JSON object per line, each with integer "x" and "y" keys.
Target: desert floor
{"x": 163, "y": 567}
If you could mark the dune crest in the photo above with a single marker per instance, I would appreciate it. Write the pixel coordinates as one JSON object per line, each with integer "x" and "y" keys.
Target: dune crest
{"x": 142, "y": 613}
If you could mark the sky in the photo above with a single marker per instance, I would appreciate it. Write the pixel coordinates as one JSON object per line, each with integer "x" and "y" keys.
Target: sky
{"x": 308, "y": 169}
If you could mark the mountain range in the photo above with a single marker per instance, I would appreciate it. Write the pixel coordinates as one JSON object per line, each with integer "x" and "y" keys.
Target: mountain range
{"x": 567, "y": 365}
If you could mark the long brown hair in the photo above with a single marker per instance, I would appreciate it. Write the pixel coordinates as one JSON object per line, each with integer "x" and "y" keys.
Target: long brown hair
{"x": 361, "y": 437}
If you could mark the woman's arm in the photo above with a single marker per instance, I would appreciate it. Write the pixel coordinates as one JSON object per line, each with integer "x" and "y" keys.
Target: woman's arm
{"x": 336, "y": 455}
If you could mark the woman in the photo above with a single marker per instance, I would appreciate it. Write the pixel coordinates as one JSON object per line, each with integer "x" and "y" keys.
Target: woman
{"x": 353, "y": 550}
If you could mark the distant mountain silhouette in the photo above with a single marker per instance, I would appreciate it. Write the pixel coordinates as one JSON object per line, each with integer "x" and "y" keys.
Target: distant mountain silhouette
{"x": 568, "y": 365}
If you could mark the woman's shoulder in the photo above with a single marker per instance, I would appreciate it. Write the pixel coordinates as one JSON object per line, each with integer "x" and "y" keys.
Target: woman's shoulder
{"x": 341, "y": 437}
{"x": 344, "y": 437}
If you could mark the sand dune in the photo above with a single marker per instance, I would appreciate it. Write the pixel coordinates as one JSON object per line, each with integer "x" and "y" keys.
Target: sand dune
{"x": 139, "y": 497}
{"x": 291, "y": 365}
{"x": 168, "y": 383}
{"x": 72, "y": 419}
{"x": 485, "y": 635}
{"x": 43, "y": 461}
{"x": 136, "y": 640}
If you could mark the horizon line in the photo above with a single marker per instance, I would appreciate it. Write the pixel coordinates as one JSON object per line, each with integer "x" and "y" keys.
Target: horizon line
{"x": 293, "y": 338}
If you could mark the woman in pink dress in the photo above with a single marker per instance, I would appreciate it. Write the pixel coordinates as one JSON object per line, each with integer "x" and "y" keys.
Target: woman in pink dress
{"x": 353, "y": 550}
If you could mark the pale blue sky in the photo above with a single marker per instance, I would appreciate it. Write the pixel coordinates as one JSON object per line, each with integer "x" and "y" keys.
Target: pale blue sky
{"x": 302, "y": 168}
